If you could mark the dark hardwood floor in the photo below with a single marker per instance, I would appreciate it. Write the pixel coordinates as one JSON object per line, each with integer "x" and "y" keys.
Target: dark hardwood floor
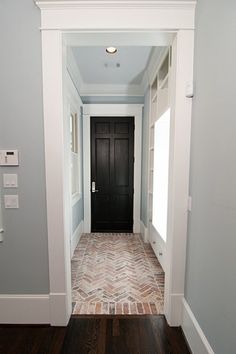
{"x": 101, "y": 334}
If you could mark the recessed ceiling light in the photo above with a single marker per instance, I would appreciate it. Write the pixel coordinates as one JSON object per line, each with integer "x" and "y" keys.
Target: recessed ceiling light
{"x": 111, "y": 50}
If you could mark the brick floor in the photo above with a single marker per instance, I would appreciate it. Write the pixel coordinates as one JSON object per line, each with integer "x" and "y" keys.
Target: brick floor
{"x": 116, "y": 274}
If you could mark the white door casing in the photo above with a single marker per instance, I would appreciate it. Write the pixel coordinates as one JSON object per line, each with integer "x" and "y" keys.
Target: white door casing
{"x": 113, "y": 110}
{"x": 59, "y": 17}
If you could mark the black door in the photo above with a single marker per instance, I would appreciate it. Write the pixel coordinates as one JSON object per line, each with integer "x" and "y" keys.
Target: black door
{"x": 112, "y": 157}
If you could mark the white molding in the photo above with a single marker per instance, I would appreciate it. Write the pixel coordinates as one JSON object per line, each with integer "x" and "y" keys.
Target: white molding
{"x": 76, "y": 237}
{"x": 175, "y": 307}
{"x": 77, "y": 4}
{"x": 115, "y": 110}
{"x": 60, "y": 309}
{"x": 24, "y": 309}
{"x": 180, "y": 133}
{"x": 77, "y": 196}
{"x": 144, "y": 232}
{"x": 118, "y": 39}
{"x": 133, "y": 17}
{"x": 57, "y": 180}
{"x": 111, "y": 90}
{"x": 195, "y": 336}
{"x": 148, "y": 15}
{"x": 86, "y": 171}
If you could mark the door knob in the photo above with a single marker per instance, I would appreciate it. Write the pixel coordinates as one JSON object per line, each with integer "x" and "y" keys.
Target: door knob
{"x": 94, "y": 190}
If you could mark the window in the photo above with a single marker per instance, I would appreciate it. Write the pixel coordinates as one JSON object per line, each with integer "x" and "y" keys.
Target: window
{"x": 74, "y": 153}
{"x": 161, "y": 173}
{"x": 74, "y": 133}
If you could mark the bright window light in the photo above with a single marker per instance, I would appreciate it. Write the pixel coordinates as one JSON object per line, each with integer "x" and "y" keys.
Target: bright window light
{"x": 161, "y": 173}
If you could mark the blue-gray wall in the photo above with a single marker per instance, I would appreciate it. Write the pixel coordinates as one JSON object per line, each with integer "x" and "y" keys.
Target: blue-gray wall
{"x": 23, "y": 254}
{"x": 144, "y": 181}
{"x": 211, "y": 261}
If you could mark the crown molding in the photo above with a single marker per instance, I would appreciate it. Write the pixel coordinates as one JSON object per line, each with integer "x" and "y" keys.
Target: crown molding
{"x": 76, "y": 4}
{"x": 111, "y": 90}
{"x": 103, "y": 15}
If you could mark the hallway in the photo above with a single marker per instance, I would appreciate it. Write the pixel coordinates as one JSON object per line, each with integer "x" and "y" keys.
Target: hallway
{"x": 116, "y": 274}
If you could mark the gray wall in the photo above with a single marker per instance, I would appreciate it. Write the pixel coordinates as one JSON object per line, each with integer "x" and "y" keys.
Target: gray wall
{"x": 144, "y": 182}
{"x": 211, "y": 261}
{"x": 23, "y": 254}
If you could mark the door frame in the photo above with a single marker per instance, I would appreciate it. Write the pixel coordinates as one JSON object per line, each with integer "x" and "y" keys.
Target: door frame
{"x": 132, "y": 16}
{"x": 112, "y": 110}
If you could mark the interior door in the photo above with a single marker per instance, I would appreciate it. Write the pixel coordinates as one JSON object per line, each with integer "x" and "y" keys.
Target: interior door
{"x": 112, "y": 170}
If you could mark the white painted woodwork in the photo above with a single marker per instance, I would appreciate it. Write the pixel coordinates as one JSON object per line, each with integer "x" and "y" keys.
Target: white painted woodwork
{"x": 193, "y": 332}
{"x": 59, "y": 17}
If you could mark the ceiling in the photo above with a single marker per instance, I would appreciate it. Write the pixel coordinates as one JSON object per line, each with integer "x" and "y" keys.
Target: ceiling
{"x": 125, "y": 67}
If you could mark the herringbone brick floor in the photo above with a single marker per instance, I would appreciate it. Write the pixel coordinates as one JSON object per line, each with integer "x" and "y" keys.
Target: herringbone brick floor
{"x": 116, "y": 274}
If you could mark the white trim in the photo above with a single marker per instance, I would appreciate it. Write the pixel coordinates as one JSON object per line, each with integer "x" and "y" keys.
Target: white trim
{"x": 60, "y": 309}
{"x": 76, "y": 4}
{"x": 180, "y": 132}
{"x": 75, "y": 198}
{"x": 57, "y": 180}
{"x": 24, "y": 309}
{"x": 144, "y": 232}
{"x": 125, "y": 110}
{"x": 76, "y": 237}
{"x": 111, "y": 90}
{"x": 176, "y": 308}
{"x": 132, "y": 16}
{"x": 158, "y": 38}
{"x": 195, "y": 336}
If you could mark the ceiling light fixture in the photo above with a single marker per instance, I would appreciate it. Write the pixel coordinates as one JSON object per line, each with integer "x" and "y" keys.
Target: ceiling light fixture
{"x": 111, "y": 50}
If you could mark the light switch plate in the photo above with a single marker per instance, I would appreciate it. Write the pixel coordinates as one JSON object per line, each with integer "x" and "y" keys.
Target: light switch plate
{"x": 10, "y": 180}
{"x": 9, "y": 158}
{"x": 11, "y": 201}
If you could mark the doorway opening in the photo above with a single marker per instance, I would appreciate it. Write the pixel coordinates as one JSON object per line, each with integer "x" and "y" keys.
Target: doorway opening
{"x": 156, "y": 23}
{"x": 118, "y": 272}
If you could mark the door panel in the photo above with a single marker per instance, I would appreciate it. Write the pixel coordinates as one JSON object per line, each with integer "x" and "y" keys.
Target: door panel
{"x": 121, "y": 163}
{"x": 102, "y": 161}
{"x": 112, "y": 157}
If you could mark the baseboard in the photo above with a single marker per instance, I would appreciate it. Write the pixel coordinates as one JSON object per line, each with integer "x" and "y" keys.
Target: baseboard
{"x": 24, "y": 309}
{"x": 144, "y": 231}
{"x": 76, "y": 237}
{"x": 60, "y": 309}
{"x": 173, "y": 312}
{"x": 195, "y": 337}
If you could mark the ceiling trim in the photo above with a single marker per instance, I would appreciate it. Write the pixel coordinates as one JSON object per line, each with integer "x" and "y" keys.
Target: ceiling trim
{"x": 111, "y": 90}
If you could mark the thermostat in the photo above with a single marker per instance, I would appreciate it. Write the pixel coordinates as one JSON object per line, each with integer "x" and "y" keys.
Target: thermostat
{"x": 9, "y": 158}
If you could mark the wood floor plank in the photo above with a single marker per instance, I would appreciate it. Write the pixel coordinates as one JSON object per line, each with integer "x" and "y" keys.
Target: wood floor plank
{"x": 96, "y": 335}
